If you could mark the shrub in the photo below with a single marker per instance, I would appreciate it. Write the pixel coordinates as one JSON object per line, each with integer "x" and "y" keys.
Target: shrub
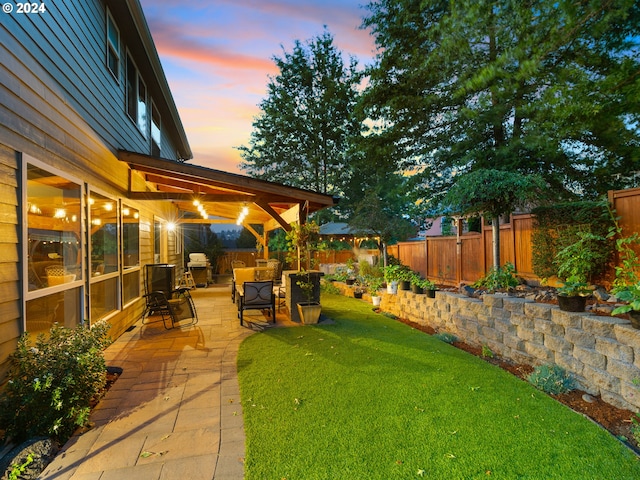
{"x": 559, "y": 226}
{"x": 551, "y": 379}
{"x": 498, "y": 278}
{"x": 446, "y": 337}
{"x": 51, "y": 384}
{"x": 329, "y": 287}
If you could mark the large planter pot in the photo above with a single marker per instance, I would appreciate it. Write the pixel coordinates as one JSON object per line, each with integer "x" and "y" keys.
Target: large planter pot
{"x": 309, "y": 312}
{"x": 405, "y": 285}
{"x": 431, "y": 293}
{"x": 392, "y": 287}
{"x": 350, "y": 281}
{"x": 417, "y": 290}
{"x": 575, "y": 303}
{"x": 376, "y": 300}
{"x": 634, "y": 316}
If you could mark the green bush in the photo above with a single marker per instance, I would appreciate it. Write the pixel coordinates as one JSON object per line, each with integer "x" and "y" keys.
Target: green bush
{"x": 51, "y": 384}
{"x": 551, "y": 379}
{"x": 635, "y": 427}
{"x": 562, "y": 225}
{"x": 498, "y": 278}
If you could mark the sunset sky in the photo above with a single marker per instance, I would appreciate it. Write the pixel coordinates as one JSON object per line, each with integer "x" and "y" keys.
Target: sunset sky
{"x": 217, "y": 56}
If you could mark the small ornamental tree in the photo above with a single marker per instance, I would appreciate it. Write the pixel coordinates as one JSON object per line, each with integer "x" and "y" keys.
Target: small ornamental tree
{"x": 492, "y": 193}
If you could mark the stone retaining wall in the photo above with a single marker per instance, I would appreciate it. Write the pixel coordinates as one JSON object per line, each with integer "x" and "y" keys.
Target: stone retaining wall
{"x": 603, "y": 353}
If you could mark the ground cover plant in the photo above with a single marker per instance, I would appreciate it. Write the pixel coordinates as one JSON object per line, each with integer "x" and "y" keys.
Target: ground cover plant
{"x": 370, "y": 397}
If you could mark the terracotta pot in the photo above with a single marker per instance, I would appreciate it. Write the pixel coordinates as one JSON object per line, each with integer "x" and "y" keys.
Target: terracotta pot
{"x": 309, "y": 312}
{"x": 572, "y": 304}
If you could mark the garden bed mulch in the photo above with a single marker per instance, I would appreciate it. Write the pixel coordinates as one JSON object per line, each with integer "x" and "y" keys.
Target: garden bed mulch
{"x": 616, "y": 420}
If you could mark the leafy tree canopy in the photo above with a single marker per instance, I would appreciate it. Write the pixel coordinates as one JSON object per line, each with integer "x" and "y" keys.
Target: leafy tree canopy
{"x": 523, "y": 86}
{"x": 303, "y": 133}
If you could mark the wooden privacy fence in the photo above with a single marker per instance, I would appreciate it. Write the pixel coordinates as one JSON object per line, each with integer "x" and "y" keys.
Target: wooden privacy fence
{"x": 466, "y": 258}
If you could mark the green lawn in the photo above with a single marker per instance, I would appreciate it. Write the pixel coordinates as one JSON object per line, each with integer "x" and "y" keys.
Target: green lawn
{"x": 371, "y": 398}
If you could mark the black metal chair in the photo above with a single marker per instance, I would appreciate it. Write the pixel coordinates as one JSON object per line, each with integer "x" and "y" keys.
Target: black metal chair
{"x": 174, "y": 312}
{"x": 256, "y": 296}
{"x": 172, "y": 305}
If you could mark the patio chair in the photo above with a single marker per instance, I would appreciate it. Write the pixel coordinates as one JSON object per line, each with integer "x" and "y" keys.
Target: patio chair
{"x": 164, "y": 300}
{"x": 241, "y": 275}
{"x": 173, "y": 311}
{"x": 256, "y": 296}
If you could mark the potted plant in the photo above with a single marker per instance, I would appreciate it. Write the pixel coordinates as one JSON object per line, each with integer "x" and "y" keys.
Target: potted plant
{"x": 427, "y": 286}
{"x": 304, "y": 241}
{"x": 351, "y": 272}
{"x": 631, "y": 295}
{"x": 359, "y": 289}
{"x": 572, "y": 295}
{"x": 405, "y": 277}
{"x": 391, "y": 276}
{"x": 375, "y": 283}
{"x": 626, "y": 286}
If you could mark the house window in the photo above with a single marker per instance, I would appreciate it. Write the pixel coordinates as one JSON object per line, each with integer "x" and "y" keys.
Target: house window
{"x": 137, "y": 108}
{"x": 130, "y": 254}
{"x": 105, "y": 264}
{"x": 155, "y": 131}
{"x": 53, "y": 249}
{"x": 113, "y": 47}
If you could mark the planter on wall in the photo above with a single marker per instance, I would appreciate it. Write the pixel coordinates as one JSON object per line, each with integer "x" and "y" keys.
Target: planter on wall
{"x": 392, "y": 287}
{"x": 431, "y": 293}
{"x": 634, "y": 316}
{"x": 417, "y": 290}
{"x": 405, "y": 285}
{"x": 357, "y": 294}
{"x": 575, "y": 303}
{"x": 376, "y": 299}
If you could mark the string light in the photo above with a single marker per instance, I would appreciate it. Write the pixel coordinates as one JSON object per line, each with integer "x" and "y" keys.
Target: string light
{"x": 243, "y": 213}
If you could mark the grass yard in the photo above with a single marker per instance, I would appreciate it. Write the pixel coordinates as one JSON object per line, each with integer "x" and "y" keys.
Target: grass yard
{"x": 371, "y": 398}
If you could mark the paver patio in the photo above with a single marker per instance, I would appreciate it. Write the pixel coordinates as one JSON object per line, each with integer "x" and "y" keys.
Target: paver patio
{"x": 175, "y": 411}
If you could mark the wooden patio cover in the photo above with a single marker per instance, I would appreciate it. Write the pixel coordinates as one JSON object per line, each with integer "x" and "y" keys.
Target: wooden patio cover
{"x": 222, "y": 194}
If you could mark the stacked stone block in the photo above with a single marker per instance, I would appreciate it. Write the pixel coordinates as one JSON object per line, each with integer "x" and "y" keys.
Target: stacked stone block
{"x": 603, "y": 353}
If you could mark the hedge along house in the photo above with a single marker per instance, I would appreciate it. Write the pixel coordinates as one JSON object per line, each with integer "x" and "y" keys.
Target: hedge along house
{"x": 92, "y": 153}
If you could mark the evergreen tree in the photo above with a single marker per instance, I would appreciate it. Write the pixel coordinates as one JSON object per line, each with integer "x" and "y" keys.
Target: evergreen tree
{"x": 529, "y": 86}
{"x": 303, "y": 132}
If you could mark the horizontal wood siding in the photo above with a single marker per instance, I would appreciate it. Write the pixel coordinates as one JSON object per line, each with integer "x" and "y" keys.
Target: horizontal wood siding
{"x": 10, "y": 303}
{"x": 61, "y": 105}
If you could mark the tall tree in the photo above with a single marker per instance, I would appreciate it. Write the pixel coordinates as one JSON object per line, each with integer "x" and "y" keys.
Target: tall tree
{"x": 303, "y": 132}
{"x": 530, "y": 86}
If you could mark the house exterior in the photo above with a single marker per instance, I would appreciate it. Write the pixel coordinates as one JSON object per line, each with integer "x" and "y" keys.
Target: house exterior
{"x": 92, "y": 154}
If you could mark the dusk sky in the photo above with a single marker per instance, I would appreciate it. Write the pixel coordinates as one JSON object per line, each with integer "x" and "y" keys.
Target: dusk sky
{"x": 217, "y": 56}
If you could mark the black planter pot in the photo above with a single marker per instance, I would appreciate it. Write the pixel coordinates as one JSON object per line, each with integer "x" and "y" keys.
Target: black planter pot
{"x": 431, "y": 293}
{"x": 357, "y": 294}
{"x": 572, "y": 304}
{"x": 404, "y": 285}
{"x": 350, "y": 281}
{"x": 634, "y": 316}
{"x": 416, "y": 289}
